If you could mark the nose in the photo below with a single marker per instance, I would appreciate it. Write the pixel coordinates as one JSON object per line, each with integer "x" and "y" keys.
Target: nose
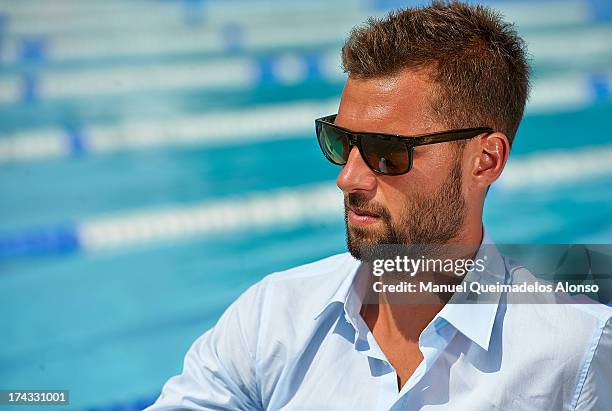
{"x": 356, "y": 176}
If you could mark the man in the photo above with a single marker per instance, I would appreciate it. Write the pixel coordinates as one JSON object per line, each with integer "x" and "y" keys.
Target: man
{"x": 455, "y": 76}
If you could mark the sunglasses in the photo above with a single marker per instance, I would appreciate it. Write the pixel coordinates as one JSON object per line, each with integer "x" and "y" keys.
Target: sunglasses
{"x": 387, "y": 154}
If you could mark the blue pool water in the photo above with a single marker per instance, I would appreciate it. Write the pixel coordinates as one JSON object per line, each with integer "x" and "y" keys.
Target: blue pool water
{"x": 111, "y": 320}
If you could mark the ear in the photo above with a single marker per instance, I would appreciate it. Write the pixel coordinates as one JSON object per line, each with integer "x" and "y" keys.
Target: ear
{"x": 490, "y": 156}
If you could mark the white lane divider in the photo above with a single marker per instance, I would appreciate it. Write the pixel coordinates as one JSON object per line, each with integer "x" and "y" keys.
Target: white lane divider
{"x": 319, "y": 202}
{"x": 554, "y": 168}
{"x": 577, "y": 44}
{"x": 275, "y": 208}
{"x": 260, "y": 123}
{"x": 235, "y": 73}
{"x": 108, "y": 17}
{"x": 287, "y": 207}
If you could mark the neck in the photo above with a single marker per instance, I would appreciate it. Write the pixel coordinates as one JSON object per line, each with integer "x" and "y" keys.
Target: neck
{"x": 408, "y": 316}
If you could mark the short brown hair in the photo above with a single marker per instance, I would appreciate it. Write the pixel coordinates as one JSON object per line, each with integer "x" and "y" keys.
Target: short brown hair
{"x": 478, "y": 61}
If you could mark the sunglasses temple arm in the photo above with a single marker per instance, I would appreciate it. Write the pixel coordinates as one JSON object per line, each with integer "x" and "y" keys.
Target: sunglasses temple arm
{"x": 422, "y": 141}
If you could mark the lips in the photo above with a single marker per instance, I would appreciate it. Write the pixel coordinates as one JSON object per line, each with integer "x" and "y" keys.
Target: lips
{"x": 360, "y": 217}
{"x": 364, "y": 213}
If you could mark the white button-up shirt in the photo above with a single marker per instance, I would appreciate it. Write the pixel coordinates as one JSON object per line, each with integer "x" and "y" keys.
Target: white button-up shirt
{"x": 296, "y": 341}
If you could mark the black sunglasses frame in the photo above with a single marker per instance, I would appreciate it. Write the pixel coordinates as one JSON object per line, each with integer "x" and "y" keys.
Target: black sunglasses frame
{"x": 354, "y": 139}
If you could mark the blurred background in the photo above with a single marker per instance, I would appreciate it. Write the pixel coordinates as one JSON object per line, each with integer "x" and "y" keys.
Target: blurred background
{"x": 158, "y": 156}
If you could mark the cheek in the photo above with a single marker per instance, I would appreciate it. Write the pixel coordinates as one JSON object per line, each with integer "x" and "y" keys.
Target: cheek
{"x": 433, "y": 155}
{"x": 430, "y": 170}
{"x": 397, "y": 193}
{"x": 424, "y": 177}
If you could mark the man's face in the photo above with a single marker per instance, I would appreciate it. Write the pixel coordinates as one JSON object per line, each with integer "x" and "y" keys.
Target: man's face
{"x": 425, "y": 205}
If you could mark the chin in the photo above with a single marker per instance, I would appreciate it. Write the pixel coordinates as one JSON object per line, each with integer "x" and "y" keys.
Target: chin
{"x": 364, "y": 245}
{"x": 364, "y": 235}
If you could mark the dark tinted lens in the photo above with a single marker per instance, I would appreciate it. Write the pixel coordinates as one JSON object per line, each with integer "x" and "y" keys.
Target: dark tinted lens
{"x": 334, "y": 143}
{"x": 387, "y": 156}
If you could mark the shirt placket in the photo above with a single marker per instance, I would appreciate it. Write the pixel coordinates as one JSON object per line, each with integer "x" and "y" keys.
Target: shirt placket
{"x": 432, "y": 342}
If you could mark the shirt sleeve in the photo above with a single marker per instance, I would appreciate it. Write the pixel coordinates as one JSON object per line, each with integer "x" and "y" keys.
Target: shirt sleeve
{"x": 596, "y": 392}
{"x": 219, "y": 368}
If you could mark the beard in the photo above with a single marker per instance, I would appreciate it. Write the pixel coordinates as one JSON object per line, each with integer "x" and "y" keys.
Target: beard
{"x": 422, "y": 224}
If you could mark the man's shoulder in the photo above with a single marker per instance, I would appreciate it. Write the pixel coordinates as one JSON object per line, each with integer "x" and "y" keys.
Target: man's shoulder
{"x": 331, "y": 268}
{"x": 303, "y": 289}
{"x": 561, "y": 323}
{"x": 575, "y": 309}
{"x": 316, "y": 281}
{"x": 281, "y": 309}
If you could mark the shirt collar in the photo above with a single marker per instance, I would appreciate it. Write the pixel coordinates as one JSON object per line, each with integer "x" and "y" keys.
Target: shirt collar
{"x": 468, "y": 312}
{"x": 348, "y": 269}
{"x": 471, "y": 317}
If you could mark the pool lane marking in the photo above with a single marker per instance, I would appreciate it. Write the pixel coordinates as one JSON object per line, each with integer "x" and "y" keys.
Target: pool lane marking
{"x": 259, "y": 123}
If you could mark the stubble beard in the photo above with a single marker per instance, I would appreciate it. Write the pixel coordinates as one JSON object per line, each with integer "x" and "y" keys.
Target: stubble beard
{"x": 425, "y": 222}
